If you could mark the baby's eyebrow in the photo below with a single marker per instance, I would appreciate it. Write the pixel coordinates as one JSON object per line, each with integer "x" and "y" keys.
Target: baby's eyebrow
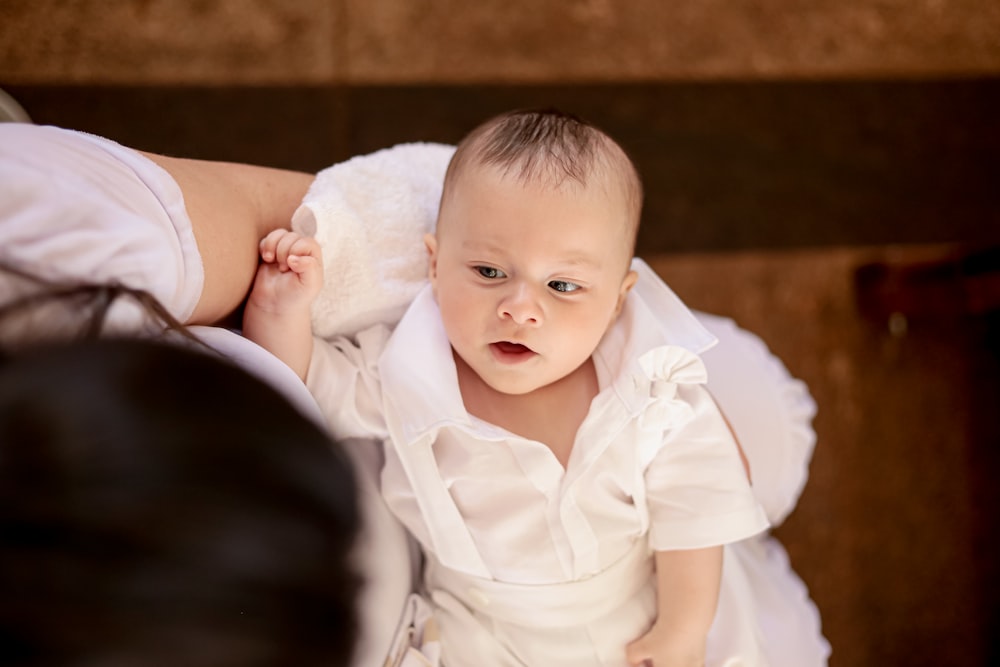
{"x": 581, "y": 261}
{"x": 574, "y": 260}
{"x": 479, "y": 245}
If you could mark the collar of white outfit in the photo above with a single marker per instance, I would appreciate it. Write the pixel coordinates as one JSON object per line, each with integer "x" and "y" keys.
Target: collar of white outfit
{"x": 655, "y": 341}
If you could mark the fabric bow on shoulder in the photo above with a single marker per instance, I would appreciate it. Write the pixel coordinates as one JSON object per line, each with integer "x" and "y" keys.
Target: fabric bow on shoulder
{"x": 663, "y": 369}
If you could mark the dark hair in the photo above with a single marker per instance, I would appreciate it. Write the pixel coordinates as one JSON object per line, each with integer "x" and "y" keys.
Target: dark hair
{"x": 548, "y": 146}
{"x": 36, "y": 309}
{"x": 160, "y": 506}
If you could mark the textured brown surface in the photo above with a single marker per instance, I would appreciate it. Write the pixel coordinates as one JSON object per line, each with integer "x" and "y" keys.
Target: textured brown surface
{"x": 893, "y": 534}
{"x": 170, "y": 41}
{"x": 420, "y": 41}
{"x": 601, "y": 40}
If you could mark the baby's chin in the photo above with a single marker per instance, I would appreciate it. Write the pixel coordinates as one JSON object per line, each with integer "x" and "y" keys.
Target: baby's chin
{"x": 511, "y": 389}
{"x": 509, "y": 384}
{"x": 521, "y": 380}
{"x": 506, "y": 386}
{"x": 512, "y": 386}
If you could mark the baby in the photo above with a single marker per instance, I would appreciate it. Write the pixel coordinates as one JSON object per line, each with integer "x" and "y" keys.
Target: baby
{"x": 548, "y": 438}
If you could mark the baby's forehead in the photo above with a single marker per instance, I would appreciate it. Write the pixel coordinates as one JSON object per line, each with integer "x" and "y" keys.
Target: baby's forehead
{"x": 480, "y": 184}
{"x": 595, "y": 184}
{"x": 540, "y": 179}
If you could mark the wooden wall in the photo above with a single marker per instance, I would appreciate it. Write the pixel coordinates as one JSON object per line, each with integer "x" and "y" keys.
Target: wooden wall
{"x": 491, "y": 41}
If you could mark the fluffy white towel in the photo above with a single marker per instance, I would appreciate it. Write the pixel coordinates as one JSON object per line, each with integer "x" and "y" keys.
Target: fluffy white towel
{"x": 370, "y": 215}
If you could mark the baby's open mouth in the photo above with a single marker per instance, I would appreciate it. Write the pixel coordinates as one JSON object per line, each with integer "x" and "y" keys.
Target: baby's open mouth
{"x": 507, "y": 347}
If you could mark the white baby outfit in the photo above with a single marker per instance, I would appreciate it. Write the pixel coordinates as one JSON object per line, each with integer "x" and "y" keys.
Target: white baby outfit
{"x": 388, "y": 199}
{"x": 531, "y": 564}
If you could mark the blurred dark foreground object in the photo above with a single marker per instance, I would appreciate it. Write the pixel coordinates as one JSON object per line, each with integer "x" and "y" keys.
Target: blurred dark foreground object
{"x": 161, "y": 507}
{"x": 952, "y": 282}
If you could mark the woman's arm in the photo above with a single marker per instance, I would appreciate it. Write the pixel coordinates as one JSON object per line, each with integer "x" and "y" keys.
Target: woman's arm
{"x": 232, "y": 207}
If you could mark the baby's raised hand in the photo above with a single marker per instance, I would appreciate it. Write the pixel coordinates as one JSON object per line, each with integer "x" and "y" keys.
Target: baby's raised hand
{"x": 290, "y": 274}
{"x": 277, "y": 314}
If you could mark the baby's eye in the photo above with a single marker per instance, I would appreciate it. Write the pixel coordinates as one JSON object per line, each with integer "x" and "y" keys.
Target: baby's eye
{"x": 563, "y": 286}
{"x": 490, "y": 272}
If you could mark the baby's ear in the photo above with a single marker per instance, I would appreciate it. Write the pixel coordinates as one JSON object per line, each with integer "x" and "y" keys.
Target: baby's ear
{"x": 627, "y": 284}
{"x": 430, "y": 242}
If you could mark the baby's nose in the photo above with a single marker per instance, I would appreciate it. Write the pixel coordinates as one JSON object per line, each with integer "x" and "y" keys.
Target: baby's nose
{"x": 521, "y": 305}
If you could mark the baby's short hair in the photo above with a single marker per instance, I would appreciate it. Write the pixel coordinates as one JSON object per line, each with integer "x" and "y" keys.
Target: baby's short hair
{"x": 549, "y": 147}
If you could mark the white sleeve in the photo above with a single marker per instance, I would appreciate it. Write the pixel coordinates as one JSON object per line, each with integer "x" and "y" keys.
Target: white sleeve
{"x": 81, "y": 209}
{"x": 343, "y": 378}
{"x": 696, "y": 488}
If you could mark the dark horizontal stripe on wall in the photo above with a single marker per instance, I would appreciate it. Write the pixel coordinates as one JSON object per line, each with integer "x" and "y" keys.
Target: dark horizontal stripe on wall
{"x": 726, "y": 165}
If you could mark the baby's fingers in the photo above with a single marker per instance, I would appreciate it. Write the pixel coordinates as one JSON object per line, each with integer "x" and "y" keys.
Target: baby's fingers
{"x": 287, "y": 245}
{"x": 308, "y": 270}
{"x": 269, "y": 244}
{"x": 280, "y": 244}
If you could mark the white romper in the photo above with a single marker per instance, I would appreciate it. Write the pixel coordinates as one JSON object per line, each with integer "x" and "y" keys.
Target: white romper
{"x": 528, "y": 563}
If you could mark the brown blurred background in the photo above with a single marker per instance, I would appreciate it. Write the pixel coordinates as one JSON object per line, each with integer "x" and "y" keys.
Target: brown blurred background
{"x": 784, "y": 146}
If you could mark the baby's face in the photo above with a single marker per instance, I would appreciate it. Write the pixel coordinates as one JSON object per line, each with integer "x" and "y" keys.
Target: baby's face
{"x": 528, "y": 278}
